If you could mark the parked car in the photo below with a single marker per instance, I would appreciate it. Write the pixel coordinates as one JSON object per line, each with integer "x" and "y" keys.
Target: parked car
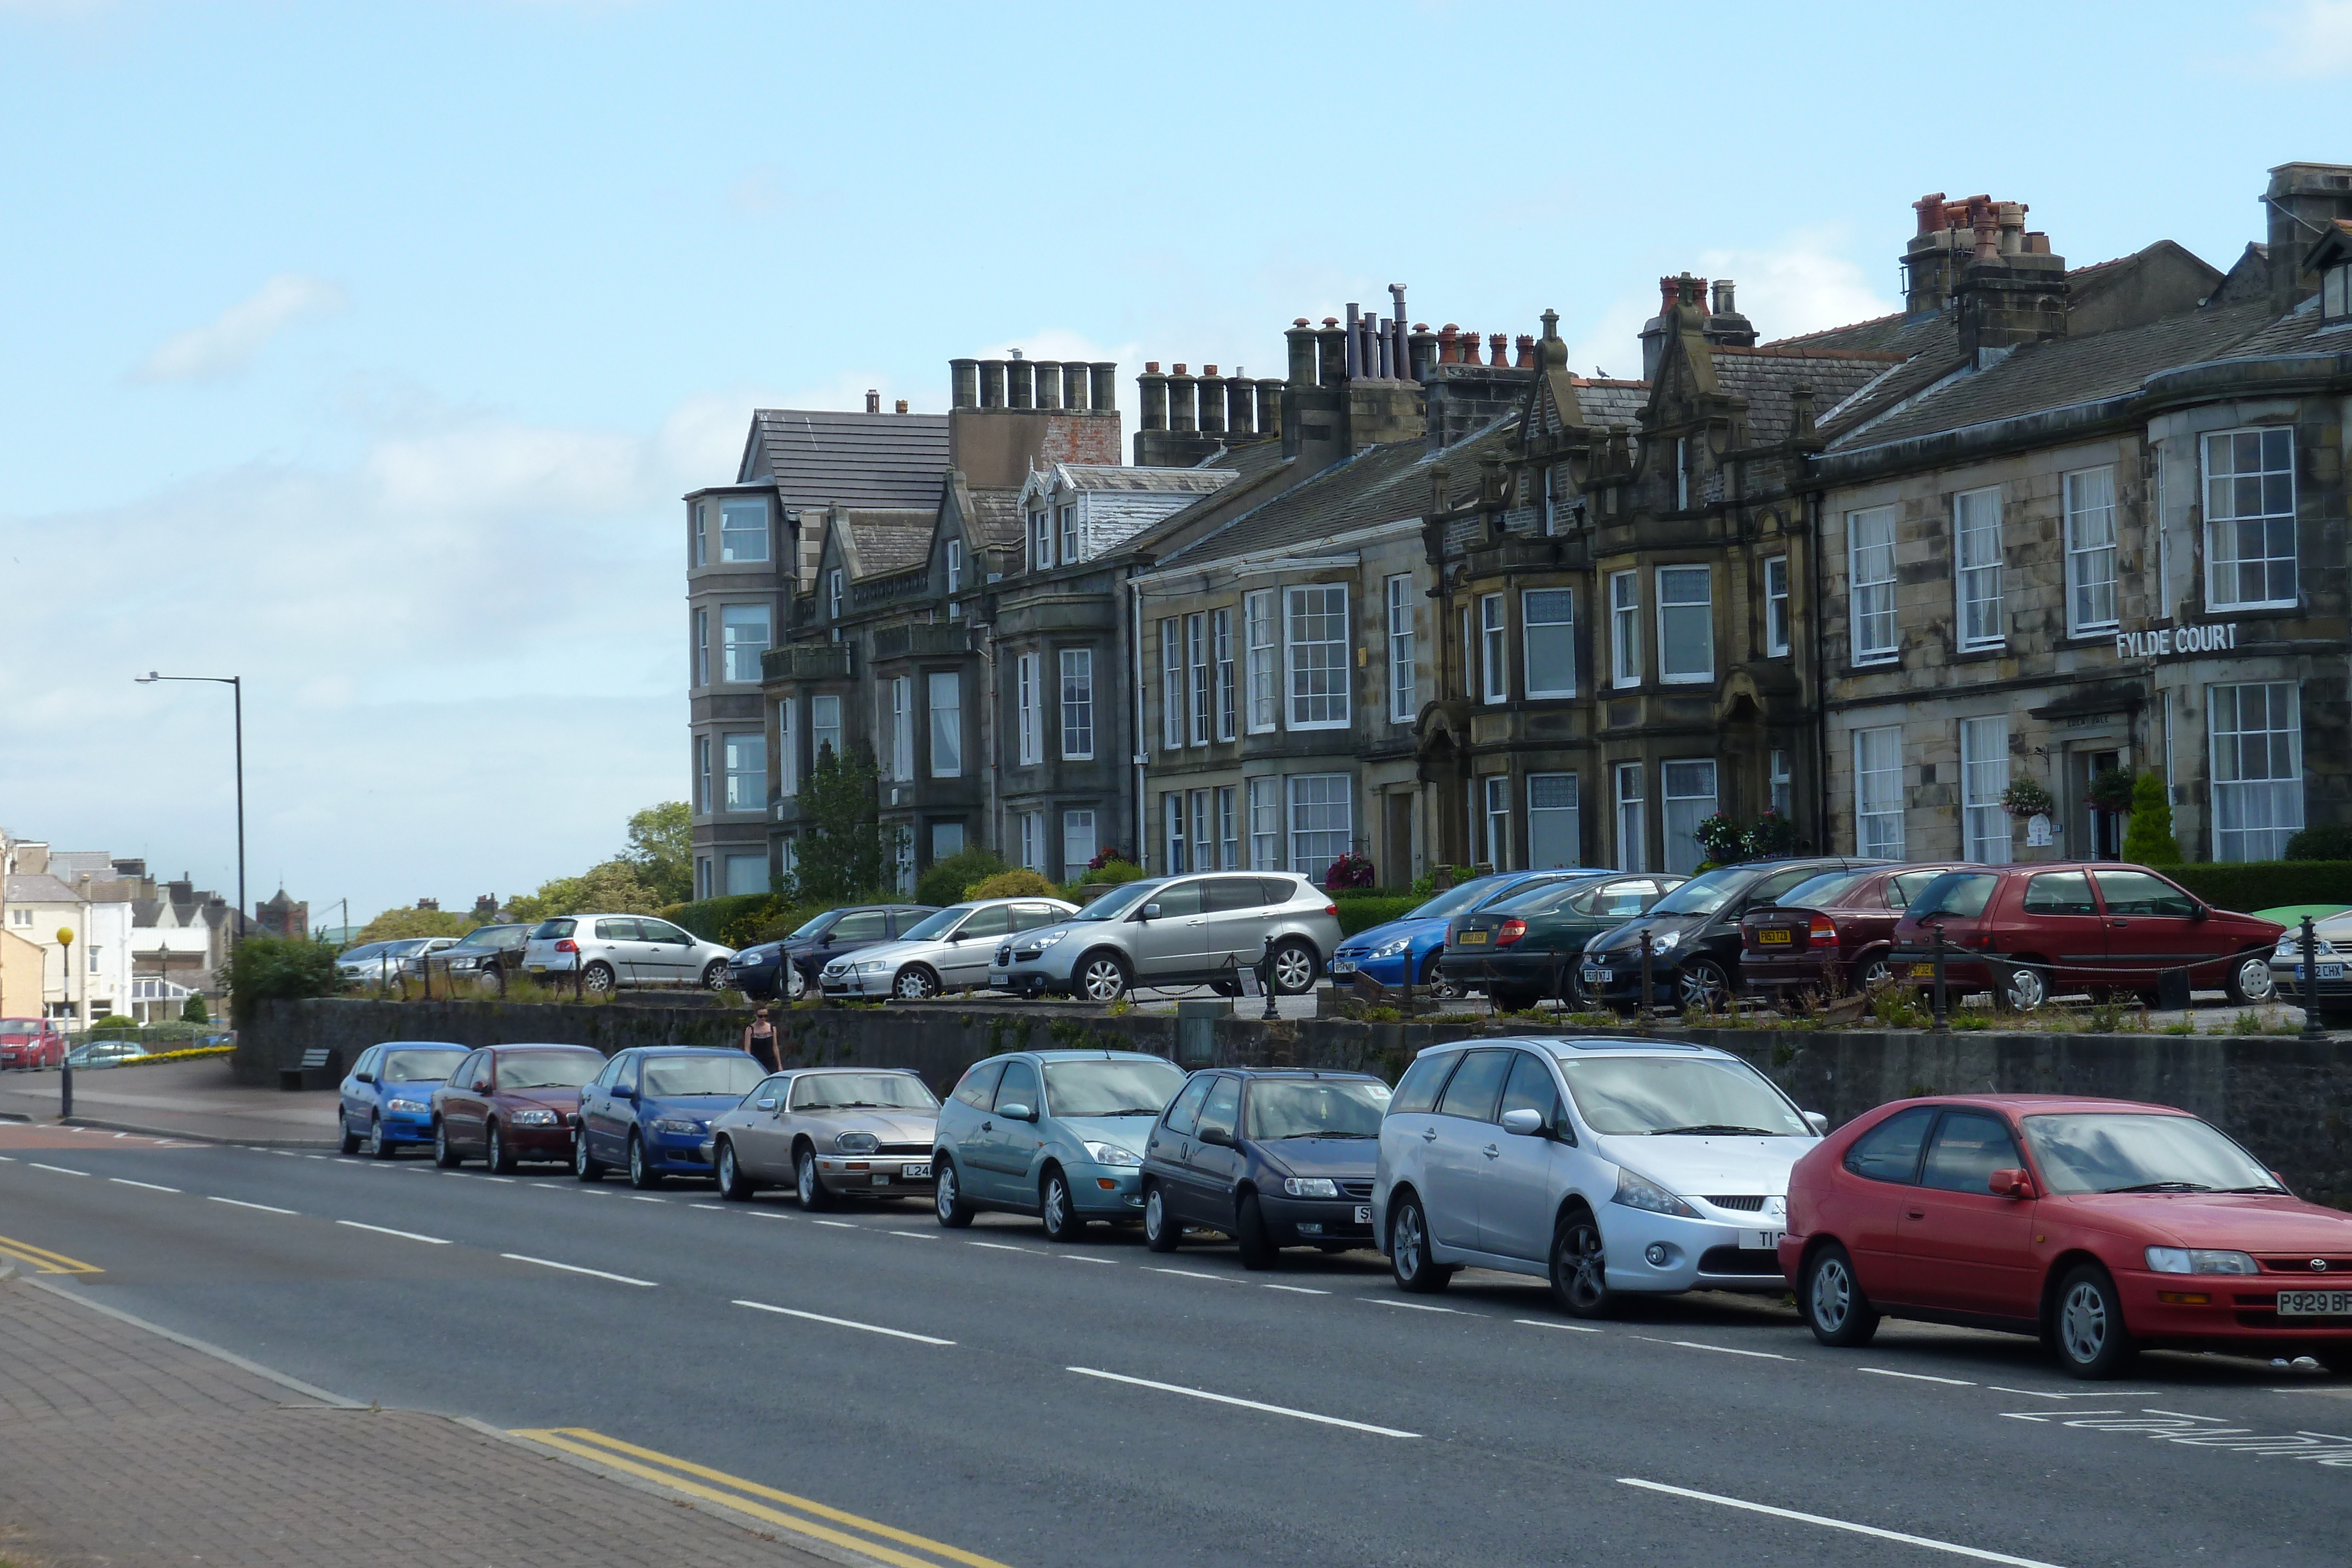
{"x": 2028, "y": 933}
{"x": 634, "y": 950}
{"x": 387, "y": 1097}
{"x": 1056, "y": 1134}
{"x": 649, "y": 1110}
{"x": 1272, "y": 1157}
{"x": 379, "y": 963}
{"x": 1694, "y": 936}
{"x": 508, "y": 1104}
{"x": 2332, "y": 941}
{"x": 30, "y": 1042}
{"x": 1612, "y": 1167}
{"x": 948, "y": 952}
{"x": 1174, "y": 930}
{"x": 485, "y": 956}
{"x": 1527, "y": 945}
{"x": 790, "y": 965}
{"x": 1406, "y": 950}
{"x": 96, "y": 1053}
{"x": 2102, "y": 1225}
{"x": 828, "y": 1132}
{"x": 1830, "y": 933}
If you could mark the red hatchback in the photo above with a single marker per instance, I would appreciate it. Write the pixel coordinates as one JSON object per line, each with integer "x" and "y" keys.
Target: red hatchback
{"x": 1831, "y": 933}
{"x": 508, "y": 1104}
{"x": 2027, "y": 933}
{"x": 2102, "y": 1225}
{"x": 30, "y": 1042}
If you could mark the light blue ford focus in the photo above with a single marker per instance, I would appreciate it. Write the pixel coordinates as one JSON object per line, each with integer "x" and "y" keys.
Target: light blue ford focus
{"x": 1056, "y": 1134}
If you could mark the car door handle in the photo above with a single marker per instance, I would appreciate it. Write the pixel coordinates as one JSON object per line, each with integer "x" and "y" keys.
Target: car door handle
{"x": 988, "y": 1126}
{"x": 1429, "y": 1134}
{"x": 1915, "y": 1213}
{"x": 1492, "y": 1153}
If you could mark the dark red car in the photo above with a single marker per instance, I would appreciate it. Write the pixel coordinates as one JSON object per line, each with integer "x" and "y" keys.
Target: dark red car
{"x": 1832, "y": 934}
{"x": 2027, "y": 933}
{"x": 2102, "y": 1226}
{"x": 508, "y": 1104}
{"x": 30, "y": 1042}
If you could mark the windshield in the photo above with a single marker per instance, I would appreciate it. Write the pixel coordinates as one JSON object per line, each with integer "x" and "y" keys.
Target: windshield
{"x": 938, "y": 924}
{"x": 1961, "y": 892}
{"x": 861, "y": 1091}
{"x": 1112, "y": 1088}
{"x": 732, "y": 1073}
{"x": 1541, "y": 900}
{"x": 550, "y": 930}
{"x": 1697, "y": 1095}
{"x": 1321, "y": 1108}
{"x": 1117, "y": 901}
{"x": 814, "y": 923}
{"x": 1822, "y": 892}
{"x": 2123, "y": 1151}
{"x": 367, "y": 950}
{"x": 1454, "y": 899}
{"x": 548, "y": 1069}
{"x": 418, "y": 1066}
{"x": 1704, "y": 894}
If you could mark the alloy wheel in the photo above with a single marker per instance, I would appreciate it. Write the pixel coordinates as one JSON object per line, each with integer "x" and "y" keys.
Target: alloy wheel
{"x": 1103, "y": 979}
{"x": 1056, "y": 1207}
{"x": 1294, "y": 971}
{"x": 1703, "y": 985}
{"x": 805, "y": 1179}
{"x": 1831, "y": 1300}
{"x": 376, "y": 1147}
{"x": 943, "y": 1194}
{"x": 2082, "y": 1323}
{"x": 1406, "y": 1246}
{"x": 598, "y": 979}
{"x": 636, "y": 1161}
{"x": 1584, "y": 1262}
{"x": 730, "y": 1179}
{"x": 1879, "y": 973}
{"x": 796, "y": 983}
{"x": 915, "y": 983}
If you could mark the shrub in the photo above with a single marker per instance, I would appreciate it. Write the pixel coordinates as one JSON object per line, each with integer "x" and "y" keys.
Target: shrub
{"x": 1773, "y": 836}
{"x": 1362, "y": 911}
{"x": 114, "y": 1022}
{"x": 1349, "y": 871}
{"x": 2150, "y": 839}
{"x": 944, "y": 884}
{"x": 2263, "y": 884}
{"x": 261, "y": 967}
{"x": 739, "y": 919}
{"x": 1113, "y": 870}
{"x": 2332, "y": 842}
{"x": 1018, "y": 883}
{"x": 195, "y": 1011}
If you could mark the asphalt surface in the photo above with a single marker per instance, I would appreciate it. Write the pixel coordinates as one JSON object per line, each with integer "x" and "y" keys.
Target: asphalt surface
{"x": 1029, "y": 1402}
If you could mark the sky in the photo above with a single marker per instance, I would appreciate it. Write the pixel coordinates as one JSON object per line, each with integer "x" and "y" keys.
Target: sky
{"x": 363, "y": 350}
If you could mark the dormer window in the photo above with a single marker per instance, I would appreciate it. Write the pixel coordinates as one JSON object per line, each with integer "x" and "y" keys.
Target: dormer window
{"x": 955, "y": 566}
{"x": 2336, "y": 292}
{"x": 1069, "y": 516}
{"x": 1041, "y": 541}
{"x": 1682, "y": 474}
{"x": 833, "y": 595}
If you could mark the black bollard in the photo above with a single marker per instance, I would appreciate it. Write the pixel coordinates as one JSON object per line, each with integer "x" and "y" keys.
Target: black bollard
{"x": 1644, "y": 1012}
{"x": 1265, "y": 977}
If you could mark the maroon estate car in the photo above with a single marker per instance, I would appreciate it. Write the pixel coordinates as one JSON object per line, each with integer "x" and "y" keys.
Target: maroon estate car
{"x": 1839, "y": 926}
{"x": 508, "y": 1104}
{"x": 2027, "y": 933}
{"x": 30, "y": 1042}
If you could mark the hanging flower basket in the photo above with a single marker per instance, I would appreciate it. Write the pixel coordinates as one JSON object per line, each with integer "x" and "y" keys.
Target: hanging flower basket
{"x": 1720, "y": 838}
{"x": 1773, "y": 836}
{"x": 1350, "y": 870}
{"x": 2027, "y": 797}
{"x": 2110, "y": 791}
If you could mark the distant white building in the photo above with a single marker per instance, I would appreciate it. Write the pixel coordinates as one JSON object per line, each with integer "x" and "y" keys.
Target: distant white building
{"x": 85, "y": 893}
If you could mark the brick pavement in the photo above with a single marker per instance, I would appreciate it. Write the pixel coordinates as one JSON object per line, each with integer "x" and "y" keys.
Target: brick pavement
{"x": 128, "y": 1449}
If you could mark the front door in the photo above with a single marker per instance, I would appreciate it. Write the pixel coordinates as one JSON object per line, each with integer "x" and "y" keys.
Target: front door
{"x": 2149, "y": 925}
{"x": 1515, "y": 1199}
{"x": 1868, "y": 1210}
{"x": 997, "y": 1159}
{"x": 1211, "y": 1168}
{"x": 2106, "y": 828}
{"x": 963, "y": 963}
{"x": 669, "y": 952}
{"x": 465, "y": 1109}
{"x": 2062, "y": 923}
{"x": 359, "y": 1100}
{"x": 1964, "y": 1248}
{"x": 1172, "y": 1146}
{"x": 760, "y": 1145}
{"x": 1174, "y": 940}
{"x": 1458, "y": 1166}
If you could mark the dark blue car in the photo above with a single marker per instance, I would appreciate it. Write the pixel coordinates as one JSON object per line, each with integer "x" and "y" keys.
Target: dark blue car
{"x": 387, "y": 1098}
{"x": 650, "y": 1110}
{"x": 1273, "y": 1158}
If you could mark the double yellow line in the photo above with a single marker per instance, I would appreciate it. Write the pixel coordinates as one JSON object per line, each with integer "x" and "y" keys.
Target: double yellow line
{"x": 41, "y": 1260}
{"x": 761, "y": 1502}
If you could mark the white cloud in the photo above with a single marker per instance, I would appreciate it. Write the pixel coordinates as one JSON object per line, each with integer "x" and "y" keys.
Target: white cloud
{"x": 1803, "y": 285}
{"x": 227, "y": 344}
{"x": 2312, "y": 39}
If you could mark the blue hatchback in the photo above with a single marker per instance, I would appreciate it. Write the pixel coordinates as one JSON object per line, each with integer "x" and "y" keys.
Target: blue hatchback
{"x": 387, "y": 1099}
{"x": 1406, "y": 949}
{"x": 649, "y": 1110}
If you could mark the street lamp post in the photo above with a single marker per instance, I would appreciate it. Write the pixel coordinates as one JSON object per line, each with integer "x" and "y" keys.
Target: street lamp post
{"x": 236, "y": 684}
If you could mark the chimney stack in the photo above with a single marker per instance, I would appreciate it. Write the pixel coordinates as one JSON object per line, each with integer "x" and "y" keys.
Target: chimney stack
{"x": 1020, "y": 382}
{"x": 992, "y": 383}
{"x": 2303, "y": 201}
{"x": 1152, "y": 388}
{"x": 1183, "y": 406}
{"x": 1102, "y": 395}
{"x": 902, "y": 406}
{"x": 1212, "y": 402}
{"x": 1049, "y": 384}
{"x": 873, "y": 400}
{"x": 963, "y": 376}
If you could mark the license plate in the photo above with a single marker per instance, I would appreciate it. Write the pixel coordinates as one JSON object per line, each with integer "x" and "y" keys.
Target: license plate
{"x": 2326, "y": 971}
{"x": 998, "y": 979}
{"x": 1363, "y": 1213}
{"x": 1759, "y": 1240}
{"x": 1343, "y": 965}
{"x": 1773, "y": 937}
{"x": 1596, "y": 976}
{"x": 2314, "y": 1303}
{"x": 917, "y": 1173}
{"x": 536, "y": 968}
{"x": 1923, "y": 971}
{"x": 1473, "y": 938}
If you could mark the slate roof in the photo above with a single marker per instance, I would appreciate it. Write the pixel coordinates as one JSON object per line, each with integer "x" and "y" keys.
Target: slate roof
{"x": 1896, "y": 334}
{"x": 1199, "y": 481}
{"x": 995, "y": 516}
{"x": 1607, "y": 403}
{"x": 819, "y": 457}
{"x": 882, "y": 542}
{"x": 2299, "y": 328}
{"x": 1765, "y": 375}
{"x": 1248, "y": 460}
{"x": 39, "y": 887}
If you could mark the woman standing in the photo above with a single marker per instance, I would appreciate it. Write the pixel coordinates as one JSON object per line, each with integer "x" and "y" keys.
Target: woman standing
{"x": 759, "y": 1040}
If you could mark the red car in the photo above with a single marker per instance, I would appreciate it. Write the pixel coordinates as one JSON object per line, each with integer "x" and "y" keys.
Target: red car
{"x": 2027, "y": 933}
{"x": 2102, "y": 1225}
{"x": 508, "y": 1104}
{"x": 30, "y": 1042}
{"x": 1831, "y": 933}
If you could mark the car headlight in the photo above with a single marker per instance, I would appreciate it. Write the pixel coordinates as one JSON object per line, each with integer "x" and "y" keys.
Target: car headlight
{"x": 1641, "y": 1193}
{"x": 1310, "y": 1186}
{"x": 856, "y": 1142}
{"x": 1391, "y": 949}
{"x": 1660, "y": 942}
{"x": 1041, "y": 940}
{"x": 679, "y": 1125}
{"x": 409, "y": 1107}
{"x": 874, "y": 966}
{"x": 1110, "y": 1154}
{"x": 535, "y": 1118}
{"x": 747, "y": 959}
{"x": 2199, "y": 1261}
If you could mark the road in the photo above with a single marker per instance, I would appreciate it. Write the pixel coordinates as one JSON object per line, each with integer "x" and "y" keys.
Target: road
{"x": 1101, "y": 1405}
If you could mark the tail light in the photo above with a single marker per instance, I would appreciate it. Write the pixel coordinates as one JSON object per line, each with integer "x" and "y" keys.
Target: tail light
{"x": 1513, "y": 929}
{"x": 567, "y": 944}
{"x": 1330, "y": 909}
{"x": 1824, "y": 932}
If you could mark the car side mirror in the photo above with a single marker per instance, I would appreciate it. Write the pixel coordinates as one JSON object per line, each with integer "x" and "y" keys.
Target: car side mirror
{"x": 1016, "y": 1111}
{"x": 767, "y": 1104}
{"x": 1524, "y": 1122}
{"x": 1220, "y": 1137}
{"x": 2010, "y": 1183}
{"x": 364, "y": 1077}
{"x": 1817, "y": 1121}
{"x": 2197, "y": 912}
{"x": 624, "y": 1093}
{"x": 1148, "y": 912}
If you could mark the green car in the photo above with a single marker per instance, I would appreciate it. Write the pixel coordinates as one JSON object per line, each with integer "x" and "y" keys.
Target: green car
{"x": 1524, "y": 949}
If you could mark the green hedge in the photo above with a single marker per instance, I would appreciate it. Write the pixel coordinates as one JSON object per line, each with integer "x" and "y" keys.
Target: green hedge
{"x": 738, "y": 920}
{"x": 2265, "y": 884}
{"x": 1362, "y": 911}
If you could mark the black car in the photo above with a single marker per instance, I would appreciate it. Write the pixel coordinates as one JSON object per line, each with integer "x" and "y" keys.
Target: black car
{"x": 1525, "y": 947}
{"x": 488, "y": 956}
{"x": 1272, "y": 1157}
{"x": 1694, "y": 936}
{"x": 791, "y": 965}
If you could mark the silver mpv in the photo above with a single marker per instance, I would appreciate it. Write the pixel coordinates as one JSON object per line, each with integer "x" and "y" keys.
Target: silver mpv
{"x": 1177, "y": 931}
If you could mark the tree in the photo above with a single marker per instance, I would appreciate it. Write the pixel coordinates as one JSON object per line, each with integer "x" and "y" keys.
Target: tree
{"x": 395, "y": 924}
{"x": 614, "y": 887}
{"x": 195, "y": 1011}
{"x": 845, "y": 853}
{"x": 2150, "y": 839}
{"x": 265, "y": 966}
{"x": 661, "y": 851}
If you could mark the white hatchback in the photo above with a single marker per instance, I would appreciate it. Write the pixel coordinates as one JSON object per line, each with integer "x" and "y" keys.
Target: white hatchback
{"x": 1610, "y": 1166}
{"x": 609, "y": 950}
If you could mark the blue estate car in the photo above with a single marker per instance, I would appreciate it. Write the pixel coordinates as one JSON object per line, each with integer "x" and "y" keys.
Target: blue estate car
{"x": 650, "y": 1109}
{"x": 387, "y": 1098}
{"x": 1056, "y": 1134}
{"x": 1406, "y": 949}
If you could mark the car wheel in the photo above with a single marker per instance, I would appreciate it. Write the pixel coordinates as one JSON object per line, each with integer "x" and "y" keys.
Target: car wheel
{"x": 946, "y": 1196}
{"x": 1832, "y": 1300}
{"x": 2022, "y": 987}
{"x": 1702, "y": 983}
{"x": 1409, "y": 1256}
{"x": 1515, "y": 999}
{"x": 733, "y": 1185}
{"x": 351, "y": 1144}
{"x": 1878, "y": 972}
{"x": 2086, "y": 1326}
{"x": 1160, "y": 1231}
{"x": 1434, "y": 980}
{"x": 502, "y": 1158}
{"x": 494, "y": 981}
{"x": 1257, "y": 1248}
{"x": 1580, "y": 1268}
{"x": 714, "y": 974}
{"x": 807, "y": 1185}
{"x": 446, "y": 1157}
{"x": 378, "y": 1145}
{"x": 585, "y": 1165}
{"x": 915, "y": 983}
{"x": 1055, "y": 1208}
{"x": 1295, "y": 968}
{"x": 796, "y": 983}
{"x": 2249, "y": 982}
{"x": 1103, "y": 977}
{"x": 642, "y": 1175}
{"x": 598, "y": 978}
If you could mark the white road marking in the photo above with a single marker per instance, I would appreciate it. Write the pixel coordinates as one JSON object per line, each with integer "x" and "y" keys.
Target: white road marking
{"x": 710, "y": 1207}
{"x": 1979, "y": 1553}
{"x": 641, "y": 1197}
{"x": 768, "y": 1213}
{"x": 1180, "y": 1273}
{"x": 503, "y": 1181}
{"x": 840, "y": 1224}
{"x": 1915, "y": 1376}
{"x": 2014, "y": 1415}
{"x": 388, "y": 1230}
{"x": 314, "y": 1156}
{"x": 915, "y": 1235}
{"x": 2097, "y": 1393}
{"x": 1723, "y": 1349}
{"x": 151, "y": 1187}
{"x": 240, "y": 1203}
{"x": 59, "y": 1169}
{"x": 287, "y": 1154}
{"x": 1548, "y": 1323}
{"x": 1244, "y": 1404}
{"x": 576, "y": 1269}
{"x": 592, "y": 1192}
{"x": 845, "y": 1323}
{"x": 1415, "y": 1306}
{"x": 1000, "y": 1246}
{"x": 1298, "y": 1290}
{"x": 10, "y": 1158}
{"x": 1080, "y": 1258}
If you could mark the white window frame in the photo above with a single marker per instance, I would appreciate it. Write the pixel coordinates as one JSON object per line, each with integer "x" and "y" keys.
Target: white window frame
{"x": 1403, "y": 653}
{"x": 1196, "y": 687}
{"x": 733, "y": 651}
{"x": 1078, "y": 673}
{"x": 788, "y": 855}
{"x": 1024, "y": 708}
{"x": 2226, "y": 518}
{"x": 698, "y": 530}
{"x": 833, "y": 595}
{"x": 727, "y": 537}
{"x": 1549, "y": 795}
{"x": 1986, "y": 836}
{"x": 1682, "y": 474}
{"x": 1221, "y": 653}
{"x": 821, "y": 733}
{"x": 1496, "y": 816}
{"x": 946, "y": 720}
{"x": 1265, "y": 824}
{"x": 1172, "y": 683}
{"x": 1878, "y": 792}
{"x": 2089, "y": 497}
{"x": 1171, "y": 826}
{"x": 702, "y": 647}
{"x": 1203, "y": 836}
{"x": 902, "y": 728}
{"x": 1075, "y": 866}
{"x": 1305, "y": 668}
{"x": 1041, "y": 541}
{"x": 1229, "y": 840}
{"x": 1870, "y": 578}
{"x": 1776, "y": 607}
{"x": 2254, "y": 816}
{"x": 788, "y": 749}
{"x": 735, "y": 746}
{"x": 1632, "y": 806}
{"x": 1683, "y": 852}
{"x": 955, "y": 566}
{"x": 1493, "y": 654}
{"x": 1068, "y": 518}
{"x": 1258, "y": 629}
{"x": 1781, "y": 785}
{"x": 1032, "y": 836}
{"x": 1548, "y": 643}
{"x": 1625, "y": 631}
{"x": 1977, "y": 542}
{"x": 1681, "y": 609}
{"x": 1337, "y": 793}
{"x": 702, "y": 776}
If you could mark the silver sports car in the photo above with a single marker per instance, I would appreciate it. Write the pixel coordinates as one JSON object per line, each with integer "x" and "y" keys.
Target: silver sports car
{"x": 827, "y": 1132}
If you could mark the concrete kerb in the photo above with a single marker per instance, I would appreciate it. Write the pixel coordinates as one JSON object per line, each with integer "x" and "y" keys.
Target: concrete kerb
{"x": 179, "y": 1136}
{"x": 309, "y": 1391}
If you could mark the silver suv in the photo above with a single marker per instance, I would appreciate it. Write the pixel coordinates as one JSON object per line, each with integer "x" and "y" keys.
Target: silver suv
{"x": 609, "y": 950}
{"x": 948, "y": 952}
{"x": 1177, "y": 931}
